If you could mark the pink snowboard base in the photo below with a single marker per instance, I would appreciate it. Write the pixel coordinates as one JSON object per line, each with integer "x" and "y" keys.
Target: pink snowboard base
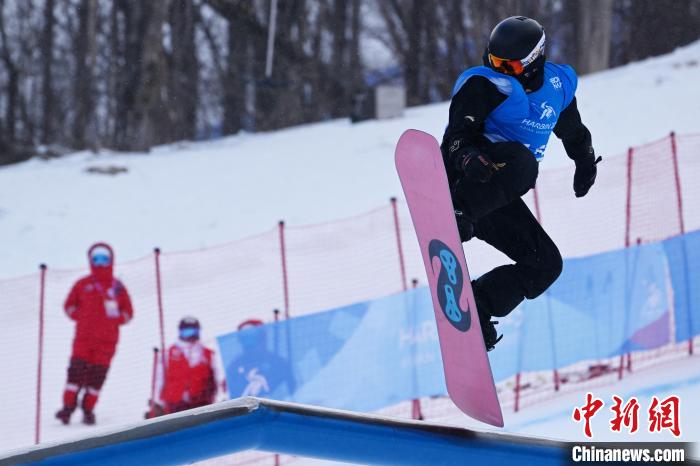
{"x": 467, "y": 370}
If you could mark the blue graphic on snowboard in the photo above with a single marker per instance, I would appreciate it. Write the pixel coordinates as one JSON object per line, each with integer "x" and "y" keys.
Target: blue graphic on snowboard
{"x": 449, "y": 285}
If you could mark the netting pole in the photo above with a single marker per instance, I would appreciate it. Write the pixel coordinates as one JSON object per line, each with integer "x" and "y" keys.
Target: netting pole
{"x": 276, "y": 313}
{"x": 538, "y": 215}
{"x": 516, "y": 406}
{"x": 679, "y": 198}
{"x": 285, "y": 282}
{"x": 416, "y": 411}
{"x": 159, "y": 295}
{"x": 677, "y": 176}
{"x": 42, "y": 294}
{"x": 397, "y": 228}
{"x": 153, "y": 381}
{"x": 276, "y": 341}
{"x": 629, "y": 362}
{"x": 629, "y": 354}
{"x": 628, "y": 225}
{"x": 621, "y": 367}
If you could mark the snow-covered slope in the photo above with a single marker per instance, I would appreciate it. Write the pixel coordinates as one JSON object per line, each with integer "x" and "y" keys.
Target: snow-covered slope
{"x": 190, "y": 195}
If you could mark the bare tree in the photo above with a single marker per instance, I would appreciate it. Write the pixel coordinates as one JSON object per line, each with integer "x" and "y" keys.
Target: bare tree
{"x": 47, "y": 73}
{"x": 129, "y": 74}
{"x": 183, "y": 76}
{"x": 404, "y": 22}
{"x": 145, "y": 69}
{"x": 594, "y": 30}
{"x": 12, "y": 81}
{"x": 84, "y": 90}
{"x": 238, "y": 72}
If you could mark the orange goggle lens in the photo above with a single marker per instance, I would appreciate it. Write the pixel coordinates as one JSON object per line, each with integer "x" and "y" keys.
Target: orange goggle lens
{"x": 512, "y": 67}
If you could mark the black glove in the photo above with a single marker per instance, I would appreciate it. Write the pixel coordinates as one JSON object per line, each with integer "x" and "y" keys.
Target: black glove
{"x": 472, "y": 163}
{"x": 586, "y": 172}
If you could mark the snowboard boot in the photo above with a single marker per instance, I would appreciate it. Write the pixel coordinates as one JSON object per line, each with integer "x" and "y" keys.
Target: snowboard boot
{"x": 464, "y": 226}
{"x": 64, "y": 415}
{"x": 488, "y": 326}
{"x": 88, "y": 418}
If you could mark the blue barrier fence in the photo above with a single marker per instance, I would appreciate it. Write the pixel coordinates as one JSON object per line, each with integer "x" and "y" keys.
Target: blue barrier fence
{"x": 374, "y": 354}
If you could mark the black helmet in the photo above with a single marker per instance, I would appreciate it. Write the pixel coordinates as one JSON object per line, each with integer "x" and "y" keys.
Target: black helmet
{"x": 189, "y": 329}
{"x": 188, "y": 322}
{"x": 515, "y": 44}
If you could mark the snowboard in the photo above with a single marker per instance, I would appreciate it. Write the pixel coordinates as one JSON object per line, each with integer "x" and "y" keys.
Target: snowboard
{"x": 467, "y": 370}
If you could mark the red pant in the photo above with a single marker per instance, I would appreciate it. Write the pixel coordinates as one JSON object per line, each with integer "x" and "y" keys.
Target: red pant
{"x": 97, "y": 353}
{"x": 88, "y": 368}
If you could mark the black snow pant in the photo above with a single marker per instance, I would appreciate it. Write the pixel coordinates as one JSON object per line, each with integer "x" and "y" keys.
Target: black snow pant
{"x": 502, "y": 219}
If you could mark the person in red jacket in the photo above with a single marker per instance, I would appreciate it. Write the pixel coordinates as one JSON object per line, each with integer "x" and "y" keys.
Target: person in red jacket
{"x": 191, "y": 374}
{"x": 99, "y": 304}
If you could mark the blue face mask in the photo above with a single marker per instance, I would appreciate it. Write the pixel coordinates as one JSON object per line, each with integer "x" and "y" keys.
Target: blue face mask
{"x": 101, "y": 260}
{"x": 188, "y": 333}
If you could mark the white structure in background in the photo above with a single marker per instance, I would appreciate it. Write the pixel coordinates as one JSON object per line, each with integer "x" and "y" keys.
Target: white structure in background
{"x": 389, "y": 101}
{"x": 380, "y": 102}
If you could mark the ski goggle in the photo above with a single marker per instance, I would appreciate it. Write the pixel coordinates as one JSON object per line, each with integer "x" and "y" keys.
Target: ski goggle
{"x": 189, "y": 332}
{"x": 101, "y": 260}
{"x": 502, "y": 65}
{"x": 516, "y": 67}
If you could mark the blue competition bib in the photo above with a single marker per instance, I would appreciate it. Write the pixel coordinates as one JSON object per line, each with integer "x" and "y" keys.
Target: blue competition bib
{"x": 522, "y": 117}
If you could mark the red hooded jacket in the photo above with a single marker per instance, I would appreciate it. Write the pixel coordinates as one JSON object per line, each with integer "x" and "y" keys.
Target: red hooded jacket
{"x": 99, "y": 304}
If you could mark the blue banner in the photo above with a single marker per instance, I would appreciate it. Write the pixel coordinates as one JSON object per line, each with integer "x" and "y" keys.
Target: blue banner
{"x": 684, "y": 263}
{"x": 374, "y": 354}
{"x": 360, "y": 357}
{"x": 601, "y": 306}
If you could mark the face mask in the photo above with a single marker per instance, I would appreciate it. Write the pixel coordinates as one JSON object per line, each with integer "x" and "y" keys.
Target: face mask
{"x": 101, "y": 260}
{"x": 189, "y": 333}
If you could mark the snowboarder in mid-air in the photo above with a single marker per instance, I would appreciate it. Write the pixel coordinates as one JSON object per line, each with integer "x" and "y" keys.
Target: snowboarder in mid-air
{"x": 501, "y": 117}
